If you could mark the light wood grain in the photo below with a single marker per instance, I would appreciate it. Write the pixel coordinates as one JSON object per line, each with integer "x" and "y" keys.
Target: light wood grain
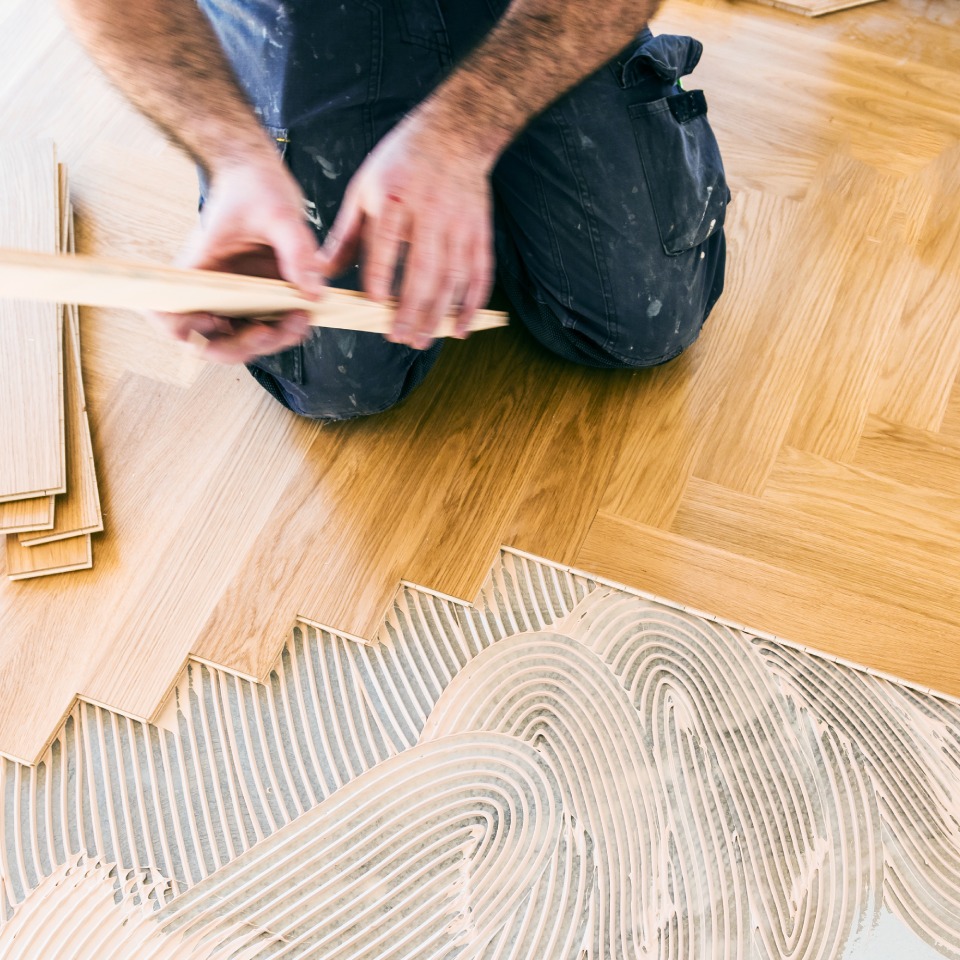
{"x": 17, "y": 516}
{"x": 60, "y": 556}
{"x": 910, "y": 456}
{"x": 809, "y": 609}
{"x": 787, "y": 320}
{"x": 77, "y": 510}
{"x": 950, "y": 425}
{"x": 816, "y": 8}
{"x": 102, "y": 282}
{"x": 833, "y": 402}
{"x": 920, "y": 368}
{"x": 32, "y": 459}
{"x": 909, "y": 563}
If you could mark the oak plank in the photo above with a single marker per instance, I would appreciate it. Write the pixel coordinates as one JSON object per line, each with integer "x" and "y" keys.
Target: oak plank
{"x": 922, "y": 361}
{"x": 32, "y": 458}
{"x": 677, "y": 407}
{"x": 816, "y": 8}
{"x": 808, "y": 609}
{"x": 787, "y": 320}
{"x": 78, "y": 510}
{"x": 107, "y": 282}
{"x": 910, "y": 456}
{"x": 913, "y": 565}
{"x": 18, "y": 516}
{"x": 60, "y": 556}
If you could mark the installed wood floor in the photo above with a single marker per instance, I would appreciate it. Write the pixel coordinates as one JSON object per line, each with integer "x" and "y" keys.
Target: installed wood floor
{"x": 797, "y": 471}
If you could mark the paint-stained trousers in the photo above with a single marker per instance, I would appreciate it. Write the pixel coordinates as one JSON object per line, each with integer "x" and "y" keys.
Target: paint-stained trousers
{"x": 609, "y": 207}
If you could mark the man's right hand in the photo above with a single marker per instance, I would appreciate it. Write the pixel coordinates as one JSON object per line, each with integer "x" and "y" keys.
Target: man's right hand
{"x": 253, "y": 223}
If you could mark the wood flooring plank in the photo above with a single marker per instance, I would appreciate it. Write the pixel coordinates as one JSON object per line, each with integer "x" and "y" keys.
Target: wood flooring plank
{"x": 676, "y": 407}
{"x": 787, "y": 320}
{"x": 816, "y": 8}
{"x": 811, "y": 610}
{"x": 77, "y": 510}
{"x": 18, "y": 516}
{"x": 569, "y": 461}
{"x": 950, "y": 425}
{"x": 107, "y": 282}
{"x": 874, "y": 282}
{"x": 923, "y": 358}
{"x": 60, "y": 556}
{"x": 32, "y": 459}
{"x": 910, "y": 566}
{"x": 861, "y": 501}
{"x": 909, "y": 456}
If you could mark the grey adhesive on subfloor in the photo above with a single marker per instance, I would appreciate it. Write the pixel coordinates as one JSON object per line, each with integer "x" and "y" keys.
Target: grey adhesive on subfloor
{"x": 567, "y": 771}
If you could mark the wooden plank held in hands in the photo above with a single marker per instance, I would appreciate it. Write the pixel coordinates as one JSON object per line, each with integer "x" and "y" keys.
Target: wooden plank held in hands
{"x": 101, "y": 282}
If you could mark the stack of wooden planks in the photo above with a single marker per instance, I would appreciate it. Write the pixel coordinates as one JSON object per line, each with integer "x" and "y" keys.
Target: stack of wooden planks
{"x": 49, "y": 501}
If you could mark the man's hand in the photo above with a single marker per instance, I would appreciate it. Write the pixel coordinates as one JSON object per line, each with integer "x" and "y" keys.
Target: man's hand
{"x": 418, "y": 215}
{"x": 253, "y": 223}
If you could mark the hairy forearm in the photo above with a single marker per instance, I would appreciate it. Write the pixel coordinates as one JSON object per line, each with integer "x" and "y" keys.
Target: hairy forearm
{"x": 164, "y": 56}
{"x": 535, "y": 53}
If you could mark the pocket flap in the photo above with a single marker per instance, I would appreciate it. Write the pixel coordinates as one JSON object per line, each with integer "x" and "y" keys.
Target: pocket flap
{"x": 669, "y": 57}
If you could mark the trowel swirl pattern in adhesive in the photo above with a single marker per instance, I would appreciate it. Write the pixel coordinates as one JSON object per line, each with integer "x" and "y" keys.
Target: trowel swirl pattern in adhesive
{"x": 567, "y": 771}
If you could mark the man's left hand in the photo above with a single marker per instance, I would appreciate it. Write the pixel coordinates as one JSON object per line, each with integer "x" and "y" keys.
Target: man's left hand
{"x": 418, "y": 216}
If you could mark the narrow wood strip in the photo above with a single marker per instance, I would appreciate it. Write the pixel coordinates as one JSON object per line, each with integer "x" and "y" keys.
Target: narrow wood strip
{"x": 61, "y": 556}
{"x": 32, "y": 459}
{"x": 19, "y": 516}
{"x": 922, "y": 362}
{"x": 807, "y": 609}
{"x": 78, "y": 510}
{"x": 101, "y": 282}
{"x": 914, "y": 457}
{"x": 815, "y": 8}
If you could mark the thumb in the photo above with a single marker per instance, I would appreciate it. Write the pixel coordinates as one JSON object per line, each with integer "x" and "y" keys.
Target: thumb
{"x": 295, "y": 248}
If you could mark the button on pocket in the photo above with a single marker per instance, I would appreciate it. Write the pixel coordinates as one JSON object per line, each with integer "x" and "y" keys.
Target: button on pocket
{"x": 682, "y": 165}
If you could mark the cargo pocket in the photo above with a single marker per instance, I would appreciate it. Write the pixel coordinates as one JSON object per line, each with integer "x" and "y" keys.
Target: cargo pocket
{"x": 680, "y": 156}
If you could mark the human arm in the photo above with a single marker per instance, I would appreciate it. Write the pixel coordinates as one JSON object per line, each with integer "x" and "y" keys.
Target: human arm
{"x": 164, "y": 56}
{"x": 426, "y": 186}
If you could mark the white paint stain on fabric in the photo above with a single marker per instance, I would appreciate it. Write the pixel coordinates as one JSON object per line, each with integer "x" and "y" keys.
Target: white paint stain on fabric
{"x": 654, "y": 308}
{"x": 567, "y": 771}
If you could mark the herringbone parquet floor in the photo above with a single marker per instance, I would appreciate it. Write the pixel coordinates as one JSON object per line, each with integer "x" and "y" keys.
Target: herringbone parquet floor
{"x": 797, "y": 471}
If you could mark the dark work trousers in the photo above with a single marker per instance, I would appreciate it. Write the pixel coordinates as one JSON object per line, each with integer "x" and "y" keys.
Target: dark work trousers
{"x": 609, "y": 206}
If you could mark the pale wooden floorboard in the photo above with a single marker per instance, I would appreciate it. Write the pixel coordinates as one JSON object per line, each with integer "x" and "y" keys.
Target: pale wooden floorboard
{"x": 23, "y": 515}
{"x": 809, "y": 609}
{"x": 910, "y": 456}
{"x": 46, "y": 559}
{"x": 78, "y": 510}
{"x": 32, "y": 457}
{"x": 793, "y": 472}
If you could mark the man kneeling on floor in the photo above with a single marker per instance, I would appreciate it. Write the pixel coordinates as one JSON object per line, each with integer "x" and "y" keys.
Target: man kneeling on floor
{"x": 422, "y": 149}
